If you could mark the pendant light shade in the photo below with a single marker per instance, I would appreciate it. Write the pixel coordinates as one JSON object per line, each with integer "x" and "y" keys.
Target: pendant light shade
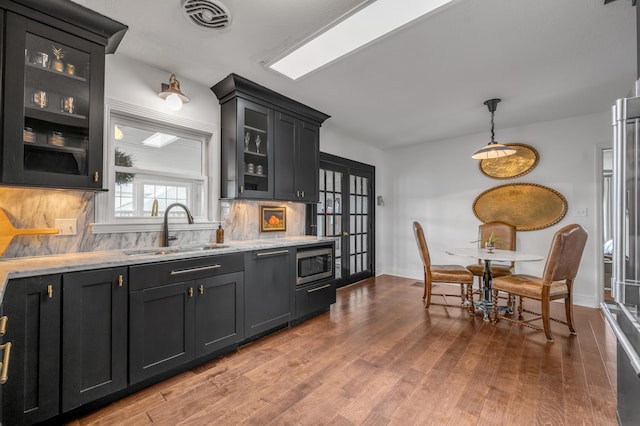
{"x": 493, "y": 149}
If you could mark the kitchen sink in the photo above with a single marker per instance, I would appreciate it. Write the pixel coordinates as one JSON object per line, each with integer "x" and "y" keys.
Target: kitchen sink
{"x": 172, "y": 250}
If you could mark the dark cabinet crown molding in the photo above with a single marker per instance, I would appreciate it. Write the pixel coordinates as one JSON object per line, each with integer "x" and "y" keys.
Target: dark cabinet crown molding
{"x": 106, "y": 31}
{"x": 236, "y": 86}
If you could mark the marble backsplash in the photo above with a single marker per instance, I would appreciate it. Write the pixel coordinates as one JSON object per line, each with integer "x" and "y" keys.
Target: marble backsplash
{"x": 38, "y": 208}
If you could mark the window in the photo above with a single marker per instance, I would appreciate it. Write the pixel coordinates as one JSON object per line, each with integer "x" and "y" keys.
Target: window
{"x": 149, "y": 166}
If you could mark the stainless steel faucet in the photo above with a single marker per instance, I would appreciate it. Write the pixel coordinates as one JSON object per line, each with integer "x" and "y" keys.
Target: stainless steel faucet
{"x": 165, "y": 225}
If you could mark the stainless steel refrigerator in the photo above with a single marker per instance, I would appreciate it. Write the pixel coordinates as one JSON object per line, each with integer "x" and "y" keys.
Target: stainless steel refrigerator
{"x": 623, "y": 315}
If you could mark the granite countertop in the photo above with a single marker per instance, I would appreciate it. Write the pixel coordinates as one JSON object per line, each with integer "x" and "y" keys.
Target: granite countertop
{"x": 61, "y": 263}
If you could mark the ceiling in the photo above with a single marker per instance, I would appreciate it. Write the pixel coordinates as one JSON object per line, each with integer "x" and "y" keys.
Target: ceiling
{"x": 427, "y": 81}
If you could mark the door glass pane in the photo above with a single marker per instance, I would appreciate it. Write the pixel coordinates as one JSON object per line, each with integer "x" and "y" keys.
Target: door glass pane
{"x": 365, "y": 205}
{"x": 352, "y": 204}
{"x": 322, "y": 202}
{"x": 338, "y": 181}
{"x": 329, "y": 183}
{"x": 365, "y": 185}
{"x": 337, "y": 205}
{"x": 352, "y": 263}
{"x": 359, "y": 204}
{"x": 338, "y": 224}
{"x": 322, "y": 177}
{"x": 352, "y": 244}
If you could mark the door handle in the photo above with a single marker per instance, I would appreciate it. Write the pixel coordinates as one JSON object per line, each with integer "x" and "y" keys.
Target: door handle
{"x": 345, "y": 234}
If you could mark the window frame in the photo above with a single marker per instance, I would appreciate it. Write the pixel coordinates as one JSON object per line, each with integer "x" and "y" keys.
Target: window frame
{"x": 116, "y": 112}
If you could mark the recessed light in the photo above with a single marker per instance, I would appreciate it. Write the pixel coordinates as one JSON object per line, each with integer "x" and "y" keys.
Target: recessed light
{"x": 368, "y": 24}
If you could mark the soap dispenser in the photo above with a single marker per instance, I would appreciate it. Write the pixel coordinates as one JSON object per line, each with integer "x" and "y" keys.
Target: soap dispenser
{"x": 220, "y": 234}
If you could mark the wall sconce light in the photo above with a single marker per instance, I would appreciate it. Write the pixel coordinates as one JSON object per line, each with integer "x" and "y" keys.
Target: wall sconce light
{"x": 172, "y": 95}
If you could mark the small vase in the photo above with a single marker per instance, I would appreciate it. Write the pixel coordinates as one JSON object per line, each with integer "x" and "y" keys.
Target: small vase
{"x": 489, "y": 246}
{"x": 57, "y": 65}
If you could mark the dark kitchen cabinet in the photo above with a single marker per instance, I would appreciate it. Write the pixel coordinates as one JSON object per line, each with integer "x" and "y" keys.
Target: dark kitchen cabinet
{"x": 177, "y": 312}
{"x": 297, "y": 159}
{"x": 289, "y": 161}
{"x": 247, "y": 150}
{"x": 161, "y": 330}
{"x": 314, "y": 298}
{"x": 33, "y": 309}
{"x": 53, "y": 94}
{"x": 219, "y": 312}
{"x": 94, "y": 335}
{"x": 268, "y": 290}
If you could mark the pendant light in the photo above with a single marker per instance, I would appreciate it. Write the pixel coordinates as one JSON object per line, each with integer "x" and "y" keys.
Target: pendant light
{"x": 493, "y": 149}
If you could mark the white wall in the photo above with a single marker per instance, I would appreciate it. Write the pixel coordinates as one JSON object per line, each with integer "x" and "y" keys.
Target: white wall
{"x": 436, "y": 184}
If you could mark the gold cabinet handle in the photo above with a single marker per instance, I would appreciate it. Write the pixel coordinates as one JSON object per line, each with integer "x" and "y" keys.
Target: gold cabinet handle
{"x": 196, "y": 269}
{"x": 3, "y": 325}
{"x": 96, "y": 176}
{"x": 190, "y": 291}
{"x": 4, "y": 370}
{"x": 50, "y": 291}
{"x": 201, "y": 288}
{"x": 120, "y": 280}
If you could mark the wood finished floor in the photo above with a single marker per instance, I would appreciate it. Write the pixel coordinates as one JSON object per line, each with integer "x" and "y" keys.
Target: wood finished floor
{"x": 379, "y": 358}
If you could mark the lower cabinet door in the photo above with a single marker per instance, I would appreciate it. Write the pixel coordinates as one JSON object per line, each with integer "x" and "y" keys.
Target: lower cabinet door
{"x": 219, "y": 303}
{"x": 94, "y": 335}
{"x": 267, "y": 290}
{"x": 32, "y": 391}
{"x": 161, "y": 329}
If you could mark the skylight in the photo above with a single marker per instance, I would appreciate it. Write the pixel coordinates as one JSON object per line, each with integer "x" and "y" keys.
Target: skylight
{"x": 368, "y": 24}
{"x": 158, "y": 140}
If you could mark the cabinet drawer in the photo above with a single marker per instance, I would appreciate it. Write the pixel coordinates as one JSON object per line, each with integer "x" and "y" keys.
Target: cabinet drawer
{"x": 157, "y": 274}
{"x": 314, "y": 298}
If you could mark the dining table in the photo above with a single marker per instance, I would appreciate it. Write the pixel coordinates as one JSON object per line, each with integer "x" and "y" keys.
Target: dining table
{"x": 487, "y": 256}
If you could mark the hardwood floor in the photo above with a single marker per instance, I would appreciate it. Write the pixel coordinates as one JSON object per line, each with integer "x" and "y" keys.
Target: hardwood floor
{"x": 379, "y": 358}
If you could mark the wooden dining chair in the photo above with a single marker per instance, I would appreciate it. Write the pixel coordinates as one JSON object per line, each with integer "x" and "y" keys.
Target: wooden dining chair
{"x": 442, "y": 274}
{"x": 506, "y": 235}
{"x": 556, "y": 282}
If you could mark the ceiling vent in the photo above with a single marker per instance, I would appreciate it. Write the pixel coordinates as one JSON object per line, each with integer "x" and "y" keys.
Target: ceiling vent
{"x": 209, "y": 14}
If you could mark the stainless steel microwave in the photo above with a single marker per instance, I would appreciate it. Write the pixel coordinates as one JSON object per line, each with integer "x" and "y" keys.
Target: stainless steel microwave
{"x": 314, "y": 264}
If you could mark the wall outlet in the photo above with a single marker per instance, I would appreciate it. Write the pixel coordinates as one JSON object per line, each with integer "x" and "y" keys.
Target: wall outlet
{"x": 580, "y": 212}
{"x": 67, "y": 226}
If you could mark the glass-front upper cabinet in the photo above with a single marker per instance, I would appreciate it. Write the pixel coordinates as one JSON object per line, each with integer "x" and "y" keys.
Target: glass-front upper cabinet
{"x": 247, "y": 150}
{"x": 53, "y": 107}
{"x": 254, "y": 122}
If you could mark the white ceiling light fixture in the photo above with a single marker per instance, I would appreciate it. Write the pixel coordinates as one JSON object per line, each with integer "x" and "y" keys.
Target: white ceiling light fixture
{"x": 370, "y": 23}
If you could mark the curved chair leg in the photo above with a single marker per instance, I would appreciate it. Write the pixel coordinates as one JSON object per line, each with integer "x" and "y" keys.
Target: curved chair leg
{"x": 568, "y": 307}
{"x": 424, "y": 294}
{"x": 546, "y": 322}
{"x": 427, "y": 292}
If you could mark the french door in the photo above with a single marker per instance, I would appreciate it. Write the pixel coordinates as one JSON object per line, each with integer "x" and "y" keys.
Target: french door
{"x": 346, "y": 211}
